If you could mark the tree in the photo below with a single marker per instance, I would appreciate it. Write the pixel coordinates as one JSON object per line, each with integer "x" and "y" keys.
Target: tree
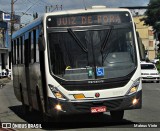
{"x": 158, "y": 47}
{"x": 153, "y": 15}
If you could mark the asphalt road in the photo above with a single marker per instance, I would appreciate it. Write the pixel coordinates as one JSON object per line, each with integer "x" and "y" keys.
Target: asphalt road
{"x": 12, "y": 111}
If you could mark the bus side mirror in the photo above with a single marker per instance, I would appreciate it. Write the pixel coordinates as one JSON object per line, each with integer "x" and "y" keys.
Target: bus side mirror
{"x": 41, "y": 43}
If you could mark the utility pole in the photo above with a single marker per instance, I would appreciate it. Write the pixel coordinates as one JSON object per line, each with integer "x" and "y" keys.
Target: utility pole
{"x": 12, "y": 13}
{"x": 12, "y": 28}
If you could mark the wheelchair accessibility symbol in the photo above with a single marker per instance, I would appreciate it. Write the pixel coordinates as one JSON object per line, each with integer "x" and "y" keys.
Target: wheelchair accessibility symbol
{"x": 100, "y": 71}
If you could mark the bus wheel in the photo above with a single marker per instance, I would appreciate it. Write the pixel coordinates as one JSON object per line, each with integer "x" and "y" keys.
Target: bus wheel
{"x": 117, "y": 115}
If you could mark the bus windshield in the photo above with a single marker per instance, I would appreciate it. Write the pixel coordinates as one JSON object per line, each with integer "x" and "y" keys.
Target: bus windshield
{"x": 75, "y": 52}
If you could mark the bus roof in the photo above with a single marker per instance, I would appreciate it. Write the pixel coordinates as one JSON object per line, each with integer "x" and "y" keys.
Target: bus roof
{"x": 76, "y": 11}
{"x": 90, "y": 10}
{"x": 33, "y": 24}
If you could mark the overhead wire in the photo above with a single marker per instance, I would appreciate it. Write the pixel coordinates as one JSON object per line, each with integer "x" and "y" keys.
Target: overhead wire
{"x": 45, "y": 2}
{"x": 40, "y": 2}
{"x": 29, "y": 8}
{"x": 1, "y": 9}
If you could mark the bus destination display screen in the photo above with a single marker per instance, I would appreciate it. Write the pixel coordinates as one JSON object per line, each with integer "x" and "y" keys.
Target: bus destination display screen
{"x": 107, "y": 18}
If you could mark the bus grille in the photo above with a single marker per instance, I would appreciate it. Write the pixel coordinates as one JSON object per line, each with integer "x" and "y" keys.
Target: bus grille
{"x": 86, "y": 106}
{"x": 101, "y": 86}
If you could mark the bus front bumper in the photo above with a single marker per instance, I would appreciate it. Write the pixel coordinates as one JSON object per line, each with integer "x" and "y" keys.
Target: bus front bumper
{"x": 112, "y": 104}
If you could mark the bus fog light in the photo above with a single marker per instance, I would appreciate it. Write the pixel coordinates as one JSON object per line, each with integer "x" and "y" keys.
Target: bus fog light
{"x": 58, "y": 107}
{"x": 135, "y": 101}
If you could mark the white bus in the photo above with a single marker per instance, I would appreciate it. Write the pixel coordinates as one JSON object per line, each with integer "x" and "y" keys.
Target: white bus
{"x": 78, "y": 61}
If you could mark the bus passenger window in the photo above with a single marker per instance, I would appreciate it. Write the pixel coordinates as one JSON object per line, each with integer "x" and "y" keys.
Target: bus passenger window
{"x": 15, "y": 52}
{"x": 21, "y": 49}
{"x": 26, "y": 53}
{"x": 29, "y": 48}
{"x": 18, "y": 60}
{"x": 12, "y": 53}
{"x": 36, "y": 45}
{"x": 32, "y": 47}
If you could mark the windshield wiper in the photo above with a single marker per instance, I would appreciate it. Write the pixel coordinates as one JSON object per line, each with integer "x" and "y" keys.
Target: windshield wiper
{"x": 70, "y": 31}
{"x": 105, "y": 43}
{"x": 106, "y": 39}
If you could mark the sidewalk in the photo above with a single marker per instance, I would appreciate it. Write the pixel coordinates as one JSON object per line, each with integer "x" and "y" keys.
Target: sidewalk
{"x": 3, "y": 81}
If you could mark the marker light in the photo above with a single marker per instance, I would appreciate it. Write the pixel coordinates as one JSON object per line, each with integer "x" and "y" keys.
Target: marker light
{"x": 58, "y": 107}
{"x": 79, "y": 96}
{"x": 135, "y": 101}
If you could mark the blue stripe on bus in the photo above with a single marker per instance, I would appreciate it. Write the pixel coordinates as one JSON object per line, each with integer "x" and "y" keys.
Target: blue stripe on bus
{"x": 27, "y": 28}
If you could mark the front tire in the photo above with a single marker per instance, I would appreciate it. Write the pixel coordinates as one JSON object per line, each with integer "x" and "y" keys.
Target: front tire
{"x": 117, "y": 115}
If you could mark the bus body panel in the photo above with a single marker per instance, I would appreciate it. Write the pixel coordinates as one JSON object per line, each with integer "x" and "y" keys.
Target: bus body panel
{"x": 16, "y": 82}
{"x": 35, "y": 83}
{"x": 77, "y": 107}
{"x": 106, "y": 93}
{"x": 19, "y": 83}
{"x": 23, "y": 83}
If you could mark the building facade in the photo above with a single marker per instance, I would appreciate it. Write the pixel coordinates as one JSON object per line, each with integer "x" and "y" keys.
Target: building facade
{"x": 4, "y": 44}
{"x": 147, "y": 35}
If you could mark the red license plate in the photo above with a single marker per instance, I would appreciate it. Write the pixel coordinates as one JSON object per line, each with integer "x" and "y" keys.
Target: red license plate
{"x": 98, "y": 109}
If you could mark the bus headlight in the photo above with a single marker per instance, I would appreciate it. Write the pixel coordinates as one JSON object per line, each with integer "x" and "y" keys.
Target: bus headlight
{"x": 134, "y": 87}
{"x": 56, "y": 92}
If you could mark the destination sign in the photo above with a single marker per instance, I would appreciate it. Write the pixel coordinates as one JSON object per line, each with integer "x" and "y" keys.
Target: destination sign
{"x": 88, "y": 19}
